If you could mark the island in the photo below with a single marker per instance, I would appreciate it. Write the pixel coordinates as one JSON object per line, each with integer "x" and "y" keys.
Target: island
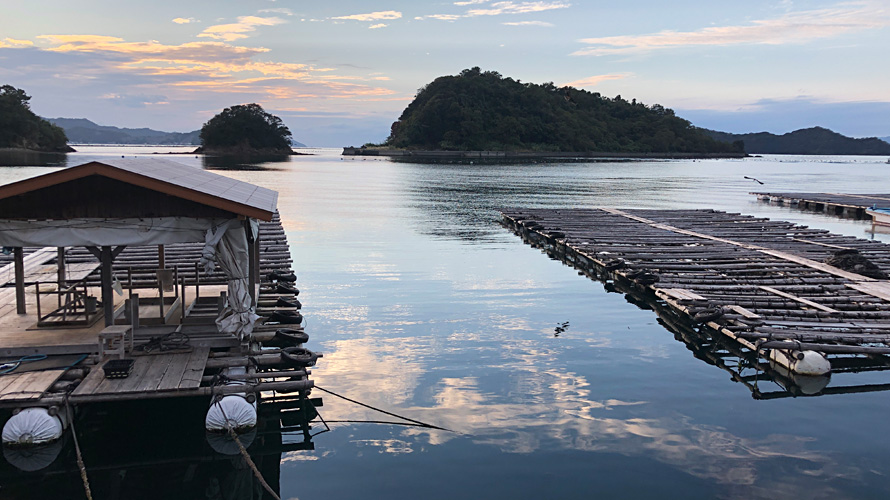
{"x": 245, "y": 130}
{"x": 21, "y": 129}
{"x": 486, "y": 113}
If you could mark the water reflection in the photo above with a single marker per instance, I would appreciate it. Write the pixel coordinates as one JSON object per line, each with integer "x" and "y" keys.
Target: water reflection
{"x": 238, "y": 163}
{"x": 162, "y": 453}
{"x": 25, "y": 158}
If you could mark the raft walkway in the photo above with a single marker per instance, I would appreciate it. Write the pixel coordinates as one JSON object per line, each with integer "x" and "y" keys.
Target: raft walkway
{"x": 760, "y": 282}
{"x": 845, "y": 205}
{"x": 71, "y": 370}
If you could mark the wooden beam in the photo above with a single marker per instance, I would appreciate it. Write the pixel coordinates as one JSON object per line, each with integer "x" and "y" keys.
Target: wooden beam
{"x": 107, "y": 300}
{"x": 61, "y": 267}
{"x": 19, "y": 256}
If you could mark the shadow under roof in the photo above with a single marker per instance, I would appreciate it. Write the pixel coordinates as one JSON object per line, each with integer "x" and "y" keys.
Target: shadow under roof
{"x": 162, "y": 176}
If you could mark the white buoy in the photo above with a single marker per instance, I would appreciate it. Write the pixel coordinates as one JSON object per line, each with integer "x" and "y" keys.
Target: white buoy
{"x": 34, "y": 426}
{"x": 233, "y": 410}
{"x": 801, "y": 362}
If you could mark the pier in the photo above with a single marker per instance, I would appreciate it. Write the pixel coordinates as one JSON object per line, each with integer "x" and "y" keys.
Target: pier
{"x": 763, "y": 285}
{"x": 844, "y": 205}
{"x": 158, "y": 281}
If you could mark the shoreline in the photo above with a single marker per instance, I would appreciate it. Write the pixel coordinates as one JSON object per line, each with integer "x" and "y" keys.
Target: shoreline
{"x": 529, "y": 155}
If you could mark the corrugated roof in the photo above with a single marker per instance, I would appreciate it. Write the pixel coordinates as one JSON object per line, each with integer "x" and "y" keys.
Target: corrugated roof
{"x": 168, "y": 177}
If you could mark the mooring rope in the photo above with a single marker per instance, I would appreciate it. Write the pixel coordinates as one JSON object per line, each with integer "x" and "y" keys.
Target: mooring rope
{"x": 80, "y": 464}
{"x": 247, "y": 459}
{"x": 416, "y": 422}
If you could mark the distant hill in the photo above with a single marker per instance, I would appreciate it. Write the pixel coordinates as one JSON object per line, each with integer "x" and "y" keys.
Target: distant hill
{"x": 83, "y": 131}
{"x": 478, "y": 110}
{"x": 885, "y": 139}
{"x": 808, "y": 141}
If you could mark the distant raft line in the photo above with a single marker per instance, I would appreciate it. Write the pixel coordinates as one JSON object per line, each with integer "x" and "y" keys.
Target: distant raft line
{"x": 529, "y": 155}
{"x": 764, "y": 282}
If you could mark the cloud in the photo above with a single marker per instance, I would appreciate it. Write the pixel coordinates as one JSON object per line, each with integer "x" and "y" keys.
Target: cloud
{"x": 502, "y": 8}
{"x": 593, "y": 80}
{"x": 499, "y": 8}
{"x": 185, "y": 20}
{"x": 373, "y": 16}
{"x": 13, "y": 43}
{"x": 281, "y": 10}
{"x": 797, "y": 27}
{"x": 376, "y": 26}
{"x": 235, "y": 31}
{"x": 530, "y": 23}
{"x": 135, "y": 101}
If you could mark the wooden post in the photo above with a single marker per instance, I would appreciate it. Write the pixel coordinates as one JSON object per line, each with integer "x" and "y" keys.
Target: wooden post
{"x": 253, "y": 267}
{"x": 61, "y": 273}
{"x": 161, "y": 265}
{"x": 19, "y": 256}
{"x": 107, "y": 299}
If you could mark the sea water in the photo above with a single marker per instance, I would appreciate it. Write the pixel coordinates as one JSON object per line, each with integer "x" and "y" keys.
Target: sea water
{"x": 425, "y": 306}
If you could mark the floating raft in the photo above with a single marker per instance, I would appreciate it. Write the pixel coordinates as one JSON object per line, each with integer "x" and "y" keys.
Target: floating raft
{"x": 760, "y": 282}
{"x": 190, "y": 371}
{"x": 846, "y": 205}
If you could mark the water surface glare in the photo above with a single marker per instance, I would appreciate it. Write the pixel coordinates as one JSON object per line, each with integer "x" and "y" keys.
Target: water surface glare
{"x": 424, "y": 305}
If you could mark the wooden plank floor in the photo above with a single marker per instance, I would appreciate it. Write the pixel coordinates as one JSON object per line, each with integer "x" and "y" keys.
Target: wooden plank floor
{"x": 27, "y": 386}
{"x": 769, "y": 276}
{"x": 151, "y": 374}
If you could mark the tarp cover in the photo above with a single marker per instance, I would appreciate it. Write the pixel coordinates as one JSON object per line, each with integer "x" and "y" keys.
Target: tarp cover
{"x": 226, "y": 245}
{"x": 103, "y": 232}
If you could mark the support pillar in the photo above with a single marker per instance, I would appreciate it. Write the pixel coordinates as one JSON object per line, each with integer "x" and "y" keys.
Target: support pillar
{"x": 19, "y": 256}
{"x": 107, "y": 299}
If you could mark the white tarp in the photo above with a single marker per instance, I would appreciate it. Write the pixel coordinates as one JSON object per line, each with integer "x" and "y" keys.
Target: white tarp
{"x": 226, "y": 245}
{"x": 103, "y": 232}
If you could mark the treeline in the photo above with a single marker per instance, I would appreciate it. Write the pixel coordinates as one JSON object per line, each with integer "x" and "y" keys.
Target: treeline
{"x": 478, "y": 110}
{"x": 808, "y": 141}
{"x": 21, "y": 128}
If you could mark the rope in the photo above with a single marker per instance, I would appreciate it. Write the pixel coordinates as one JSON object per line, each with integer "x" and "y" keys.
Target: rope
{"x": 417, "y": 422}
{"x": 247, "y": 459}
{"x": 80, "y": 464}
{"x": 172, "y": 341}
{"x": 13, "y": 365}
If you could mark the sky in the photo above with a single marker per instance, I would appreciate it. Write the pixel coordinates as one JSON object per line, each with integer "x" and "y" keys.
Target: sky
{"x": 339, "y": 72}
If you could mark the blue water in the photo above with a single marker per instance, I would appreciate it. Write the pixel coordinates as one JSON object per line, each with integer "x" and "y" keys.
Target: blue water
{"x": 424, "y": 305}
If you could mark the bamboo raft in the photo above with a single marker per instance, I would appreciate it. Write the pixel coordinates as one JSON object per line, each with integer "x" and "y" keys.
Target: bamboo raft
{"x": 190, "y": 371}
{"x": 844, "y": 205}
{"x": 766, "y": 280}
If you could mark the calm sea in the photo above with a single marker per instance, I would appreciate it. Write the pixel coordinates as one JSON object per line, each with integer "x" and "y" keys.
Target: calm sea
{"x": 425, "y": 306}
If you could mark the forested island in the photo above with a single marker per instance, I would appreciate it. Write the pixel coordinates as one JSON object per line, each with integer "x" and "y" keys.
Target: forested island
{"x": 245, "y": 130}
{"x": 482, "y": 110}
{"x": 808, "y": 141}
{"x": 20, "y": 128}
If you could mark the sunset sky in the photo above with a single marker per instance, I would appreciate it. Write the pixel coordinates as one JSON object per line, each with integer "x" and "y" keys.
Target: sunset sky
{"x": 339, "y": 72}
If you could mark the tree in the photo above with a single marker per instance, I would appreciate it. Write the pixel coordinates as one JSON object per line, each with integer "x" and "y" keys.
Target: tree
{"x": 21, "y": 128}
{"x": 246, "y": 128}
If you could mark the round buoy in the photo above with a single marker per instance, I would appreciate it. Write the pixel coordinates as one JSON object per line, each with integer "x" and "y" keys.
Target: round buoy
{"x": 288, "y": 337}
{"x": 32, "y": 426}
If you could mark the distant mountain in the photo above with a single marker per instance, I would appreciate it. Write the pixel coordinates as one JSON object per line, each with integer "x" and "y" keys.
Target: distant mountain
{"x": 808, "y": 141}
{"x": 83, "y": 131}
{"x": 885, "y": 139}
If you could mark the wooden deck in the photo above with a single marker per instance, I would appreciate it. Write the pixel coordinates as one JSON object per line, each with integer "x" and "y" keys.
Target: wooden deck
{"x": 845, "y": 205}
{"x": 155, "y": 375}
{"x": 769, "y": 277}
